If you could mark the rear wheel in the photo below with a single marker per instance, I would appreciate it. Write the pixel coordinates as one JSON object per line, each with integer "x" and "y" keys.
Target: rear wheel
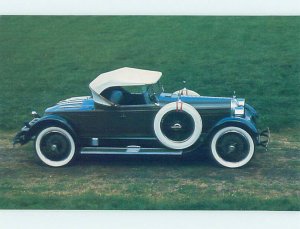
{"x": 55, "y": 146}
{"x": 232, "y": 147}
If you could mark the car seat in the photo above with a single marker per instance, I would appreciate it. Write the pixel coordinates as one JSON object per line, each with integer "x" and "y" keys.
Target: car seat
{"x": 116, "y": 96}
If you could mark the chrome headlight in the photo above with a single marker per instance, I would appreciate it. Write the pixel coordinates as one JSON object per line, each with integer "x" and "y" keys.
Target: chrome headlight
{"x": 237, "y": 107}
{"x": 239, "y": 111}
{"x": 35, "y": 114}
{"x": 240, "y": 102}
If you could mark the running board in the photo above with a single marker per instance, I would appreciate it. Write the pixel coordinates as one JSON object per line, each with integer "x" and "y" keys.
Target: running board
{"x": 129, "y": 150}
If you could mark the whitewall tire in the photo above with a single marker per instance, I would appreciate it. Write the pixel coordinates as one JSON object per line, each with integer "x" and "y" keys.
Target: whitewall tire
{"x": 178, "y": 125}
{"x": 232, "y": 147}
{"x": 55, "y": 146}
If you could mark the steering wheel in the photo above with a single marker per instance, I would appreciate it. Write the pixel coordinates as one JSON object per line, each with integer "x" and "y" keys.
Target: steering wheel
{"x": 150, "y": 93}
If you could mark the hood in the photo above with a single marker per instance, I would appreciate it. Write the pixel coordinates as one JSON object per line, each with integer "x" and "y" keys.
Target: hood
{"x": 82, "y": 103}
{"x": 203, "y": 101}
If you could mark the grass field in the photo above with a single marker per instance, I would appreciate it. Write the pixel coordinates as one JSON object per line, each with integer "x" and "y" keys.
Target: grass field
{"x": 270, "y": 182}
{"x": 46, "y": 59}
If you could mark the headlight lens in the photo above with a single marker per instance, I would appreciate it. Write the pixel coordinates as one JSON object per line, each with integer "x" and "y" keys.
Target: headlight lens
{"x": 237, "y": 107}
{"x": 240, "y": 102}
{"x": 239, "y": 111}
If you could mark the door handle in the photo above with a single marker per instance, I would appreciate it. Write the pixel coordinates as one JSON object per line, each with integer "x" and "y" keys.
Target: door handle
{"x": 123, "y": 115}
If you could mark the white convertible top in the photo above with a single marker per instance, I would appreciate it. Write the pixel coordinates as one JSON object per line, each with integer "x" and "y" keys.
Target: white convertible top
{"x": 121, "y": 77}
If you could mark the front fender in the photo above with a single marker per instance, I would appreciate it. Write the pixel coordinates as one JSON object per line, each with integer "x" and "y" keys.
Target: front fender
{"x": 49, "y": 120}
{"x": 245, "y": 124}
{"x": 28, "y": 132}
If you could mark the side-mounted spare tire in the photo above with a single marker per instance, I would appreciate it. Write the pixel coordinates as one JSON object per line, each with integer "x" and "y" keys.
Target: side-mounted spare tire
{"x": 178, "y": 125}
{"x": 187, "y": 92}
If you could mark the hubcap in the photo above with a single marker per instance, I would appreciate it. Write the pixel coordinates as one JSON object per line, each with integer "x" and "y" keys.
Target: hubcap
{"x": 55, "y": 146}
{"x": 231, "y": 148}
{"x": 177, "y": 125}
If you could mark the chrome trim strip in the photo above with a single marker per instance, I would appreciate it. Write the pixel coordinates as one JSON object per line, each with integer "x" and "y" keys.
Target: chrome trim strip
{"x": 67, "y": 102}
{"x": 74, "y": 100}
{"x": 233, "y": 105}
{"x": 210, "y": 106}
{"x": 129, "y": 138}
{"x": 128, "y": 151}
{"x": 63, "y": 102}
{"x": 71, "y": 106}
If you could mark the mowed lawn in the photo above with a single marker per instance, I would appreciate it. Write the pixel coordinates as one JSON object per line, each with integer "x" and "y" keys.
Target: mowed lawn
{"x": 269, "y": 182}
{"x": 46, "y": 59}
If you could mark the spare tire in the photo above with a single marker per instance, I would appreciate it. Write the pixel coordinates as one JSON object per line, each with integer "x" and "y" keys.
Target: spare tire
{"x": 178, "y": 125}
{"x": 186, "y": 92}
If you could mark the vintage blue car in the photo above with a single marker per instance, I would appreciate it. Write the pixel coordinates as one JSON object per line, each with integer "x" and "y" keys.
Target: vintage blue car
{"x": 129, "y": 113}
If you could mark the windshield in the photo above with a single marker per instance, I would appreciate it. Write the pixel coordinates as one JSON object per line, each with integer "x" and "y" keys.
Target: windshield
{"x": 155, "y": 89}
{"x": 133, "y": 95}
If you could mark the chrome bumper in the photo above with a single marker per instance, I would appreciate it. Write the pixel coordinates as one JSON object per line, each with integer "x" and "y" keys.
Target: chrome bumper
{"x": 24, "y": 136}
{"x": 264, "y": 138}
{"x": 20, "y": 138}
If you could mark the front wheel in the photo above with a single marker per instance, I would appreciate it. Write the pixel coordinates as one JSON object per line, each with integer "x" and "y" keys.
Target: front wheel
{"x": 55, "y": 146}
{"x": 232, "y": 147}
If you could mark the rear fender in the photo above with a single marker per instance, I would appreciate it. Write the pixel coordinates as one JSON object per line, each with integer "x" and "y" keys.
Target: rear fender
{"x": 237, "y": 122}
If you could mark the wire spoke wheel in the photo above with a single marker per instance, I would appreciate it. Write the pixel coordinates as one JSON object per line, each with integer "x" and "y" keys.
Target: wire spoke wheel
{"x": 232, "y": 147}
{"x": 55, "y": 146}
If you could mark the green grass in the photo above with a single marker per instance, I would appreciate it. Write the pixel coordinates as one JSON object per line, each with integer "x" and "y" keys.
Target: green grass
{"x": 46, "y": 59}
{"x": 269, "y": 182}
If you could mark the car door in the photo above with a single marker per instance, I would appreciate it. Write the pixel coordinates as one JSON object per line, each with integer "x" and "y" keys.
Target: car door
{"x": 123, "y": 121}
{"x": 100, "y": 122}
{"x": 136, "y": 120}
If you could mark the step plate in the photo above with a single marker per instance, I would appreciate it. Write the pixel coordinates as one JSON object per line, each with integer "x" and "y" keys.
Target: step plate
{"x": 129, "y": 151}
